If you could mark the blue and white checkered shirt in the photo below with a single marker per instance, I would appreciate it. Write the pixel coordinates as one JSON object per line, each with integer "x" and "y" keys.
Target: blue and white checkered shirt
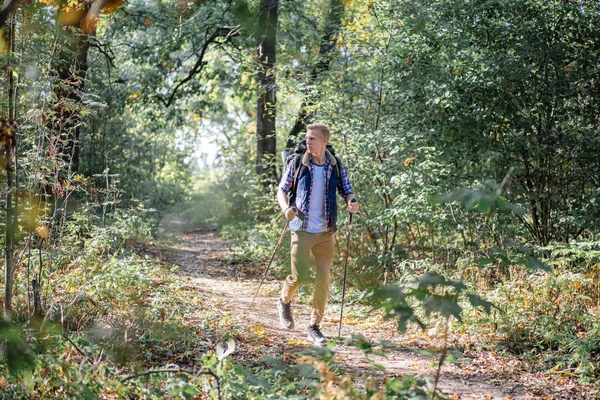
{"x": 344, "y": 187}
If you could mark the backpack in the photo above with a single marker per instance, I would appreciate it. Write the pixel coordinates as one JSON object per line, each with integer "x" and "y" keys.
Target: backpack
{"x": 297, "y": 155}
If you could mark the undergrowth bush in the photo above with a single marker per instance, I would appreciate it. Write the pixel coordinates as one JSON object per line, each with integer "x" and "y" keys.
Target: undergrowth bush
{"x": 552, "y": 319}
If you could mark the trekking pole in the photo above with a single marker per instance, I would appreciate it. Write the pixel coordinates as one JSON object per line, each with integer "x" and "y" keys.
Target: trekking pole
{"x": 345, "y": 271}
{"x": 272, "y": 257}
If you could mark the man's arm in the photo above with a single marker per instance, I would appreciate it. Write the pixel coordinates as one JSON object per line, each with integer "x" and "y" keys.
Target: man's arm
{"x": 282, "y": 199}
{"x": 284, "y": 187}
{"x": 345, "y": 189}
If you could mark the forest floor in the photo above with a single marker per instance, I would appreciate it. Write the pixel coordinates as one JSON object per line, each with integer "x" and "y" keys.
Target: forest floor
{"x": 205, "y": 264}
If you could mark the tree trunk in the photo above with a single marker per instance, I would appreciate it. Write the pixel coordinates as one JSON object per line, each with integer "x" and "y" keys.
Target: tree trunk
{"x": 9, "y": 142}
{"x": 37, "y": 299}
{"x": 70, "y": 69}
{"x": 266, "y": 105}
{"x": 328, "y": 42}
{"x": 6, "y": 9}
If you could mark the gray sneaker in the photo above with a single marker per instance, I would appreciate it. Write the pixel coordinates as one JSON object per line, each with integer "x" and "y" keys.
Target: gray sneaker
{"x": 315, "y": 335}
{"x": 285, "y": 314}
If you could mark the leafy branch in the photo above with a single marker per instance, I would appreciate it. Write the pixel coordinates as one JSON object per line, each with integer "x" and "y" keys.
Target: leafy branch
{"x": 224, "y": 32}
{"x": 177, "y": 371}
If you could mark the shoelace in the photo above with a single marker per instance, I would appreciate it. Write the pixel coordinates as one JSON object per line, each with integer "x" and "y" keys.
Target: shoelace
{"x": 287, "y": 311}
{"x": 316, "y": 331}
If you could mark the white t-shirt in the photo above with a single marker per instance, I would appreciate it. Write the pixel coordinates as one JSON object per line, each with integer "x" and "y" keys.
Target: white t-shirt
{"x": 316, "y": 207}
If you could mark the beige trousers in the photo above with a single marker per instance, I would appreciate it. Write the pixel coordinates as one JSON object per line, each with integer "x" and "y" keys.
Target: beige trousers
{"x": 321, "y": 246}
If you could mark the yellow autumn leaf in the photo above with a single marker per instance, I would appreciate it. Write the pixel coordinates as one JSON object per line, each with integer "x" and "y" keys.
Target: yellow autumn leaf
{"x": 297, "y": 341}
{"x": 259, "y": 330}
{"x": 70, "y": 16}
{"x": 244, "y": 78}
{"x": 43, "y": 232}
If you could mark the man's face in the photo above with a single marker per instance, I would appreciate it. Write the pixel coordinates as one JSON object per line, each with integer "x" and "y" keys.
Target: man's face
{"x": 315, "y": 141}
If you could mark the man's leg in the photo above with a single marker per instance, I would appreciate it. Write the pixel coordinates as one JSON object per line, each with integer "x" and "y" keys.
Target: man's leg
{"x": 323, "y": 257}
{"x": 300, "y": 259}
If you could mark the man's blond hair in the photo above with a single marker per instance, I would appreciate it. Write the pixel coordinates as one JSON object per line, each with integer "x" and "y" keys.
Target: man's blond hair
{"x": 319, "y": 127}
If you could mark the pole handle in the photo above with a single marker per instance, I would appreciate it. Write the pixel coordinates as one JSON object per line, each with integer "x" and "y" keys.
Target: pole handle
{"x": 352, "y": 202}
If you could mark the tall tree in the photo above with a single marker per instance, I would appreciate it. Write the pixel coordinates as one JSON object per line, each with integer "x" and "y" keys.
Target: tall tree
{"x": 265, "y": 110}
{"x": 5, "y": 11}
{"x": 328, "y": 42}
{"x": 70, "y": 68}
{"x": 8, "y": 143}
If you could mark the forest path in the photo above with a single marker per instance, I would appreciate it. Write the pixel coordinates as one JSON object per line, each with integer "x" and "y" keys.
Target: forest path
{"x": 204, "y": 262}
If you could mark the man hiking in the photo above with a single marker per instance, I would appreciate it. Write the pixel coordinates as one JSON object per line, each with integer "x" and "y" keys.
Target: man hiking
{"x": 311, "y": 189}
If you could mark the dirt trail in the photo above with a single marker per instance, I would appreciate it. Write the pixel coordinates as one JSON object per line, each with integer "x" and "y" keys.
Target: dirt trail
{"x": 204, "y": 260}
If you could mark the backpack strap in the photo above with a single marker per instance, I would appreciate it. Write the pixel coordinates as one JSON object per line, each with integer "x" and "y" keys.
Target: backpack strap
{"x": 297, "y": 166}
{"x": 338, "y": 169}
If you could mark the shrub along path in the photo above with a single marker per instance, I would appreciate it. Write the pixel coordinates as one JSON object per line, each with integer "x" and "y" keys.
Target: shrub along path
{"x": 205, "y": 264}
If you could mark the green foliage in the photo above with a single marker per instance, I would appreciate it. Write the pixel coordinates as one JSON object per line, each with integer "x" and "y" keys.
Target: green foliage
{"x": 493, "y": 105}
{"x": 549, "y": 319}
{"x": 435, "y": 293}
{"x": 17, "y": 355}
{"x": 480, "y": 200}
{"x": 314, "y": 375}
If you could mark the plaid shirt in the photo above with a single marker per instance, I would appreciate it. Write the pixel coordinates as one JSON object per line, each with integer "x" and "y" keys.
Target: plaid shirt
{"x": 344, "y": 187}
